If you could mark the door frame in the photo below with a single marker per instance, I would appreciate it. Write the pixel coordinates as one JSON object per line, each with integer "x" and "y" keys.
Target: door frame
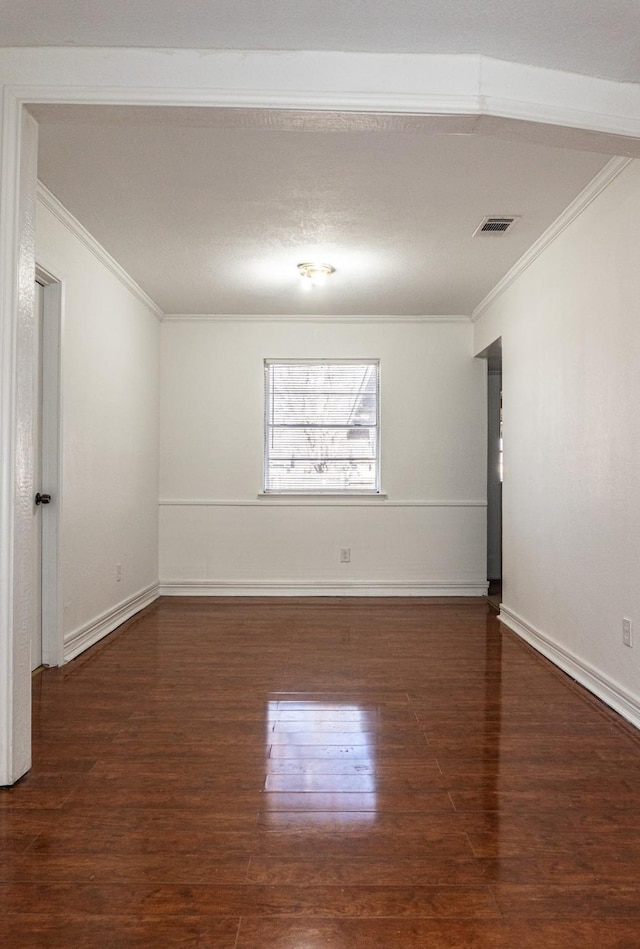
{"x": 51, "y": 447}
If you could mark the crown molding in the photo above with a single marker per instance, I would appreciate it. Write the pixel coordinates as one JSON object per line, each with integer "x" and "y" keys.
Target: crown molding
{"x": 302, "y": 318}
{"x": 602, "y": 181}
{"x": 49, "y": 201}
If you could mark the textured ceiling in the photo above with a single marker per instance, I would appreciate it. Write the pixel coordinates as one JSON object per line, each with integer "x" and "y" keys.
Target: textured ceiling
{"x": 210, "y": 210}
{"x": 592, "y": 37}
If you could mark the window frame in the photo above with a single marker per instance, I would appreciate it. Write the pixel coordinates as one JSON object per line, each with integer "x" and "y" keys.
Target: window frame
{"x": 320, "y": 492}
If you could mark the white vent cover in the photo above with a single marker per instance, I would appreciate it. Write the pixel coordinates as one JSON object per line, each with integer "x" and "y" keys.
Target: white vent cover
{"x": 495, "y": 225}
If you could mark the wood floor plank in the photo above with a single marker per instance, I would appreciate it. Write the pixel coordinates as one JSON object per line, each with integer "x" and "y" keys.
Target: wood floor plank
{"x": 44, "y": 931}
{"x": 437, "y": 934}
{"x": 251, "y": 899}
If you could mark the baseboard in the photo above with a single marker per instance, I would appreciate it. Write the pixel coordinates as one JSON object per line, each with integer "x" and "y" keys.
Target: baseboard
{"x": 321, "y": 588}
{"x": 89, "y": 634}
{"x": 608, "y": 691}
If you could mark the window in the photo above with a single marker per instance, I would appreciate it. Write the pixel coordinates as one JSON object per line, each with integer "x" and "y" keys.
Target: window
{"x": 321, "y": 426}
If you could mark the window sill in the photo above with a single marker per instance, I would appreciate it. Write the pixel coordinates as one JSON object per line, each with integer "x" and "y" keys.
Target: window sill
{"x": 321, "y": 495}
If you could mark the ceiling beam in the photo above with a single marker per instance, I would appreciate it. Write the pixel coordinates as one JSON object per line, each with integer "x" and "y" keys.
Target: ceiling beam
{"x": 491, "y": 96}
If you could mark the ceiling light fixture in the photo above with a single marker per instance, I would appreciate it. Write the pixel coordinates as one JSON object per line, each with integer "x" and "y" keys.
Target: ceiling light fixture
{"x": 315, "y": 274}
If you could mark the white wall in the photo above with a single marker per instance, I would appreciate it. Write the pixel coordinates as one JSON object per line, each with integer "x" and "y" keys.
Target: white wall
{"x": 217, "y": 536}
{"x": 110, "y": 374}
{"x": 571, "y": 389}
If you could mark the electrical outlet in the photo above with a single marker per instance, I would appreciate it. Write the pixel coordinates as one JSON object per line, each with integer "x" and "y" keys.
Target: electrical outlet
{"x": 345, "y": 555}
{"x": 627, "y": 632}
{"x": 118, "y": 572}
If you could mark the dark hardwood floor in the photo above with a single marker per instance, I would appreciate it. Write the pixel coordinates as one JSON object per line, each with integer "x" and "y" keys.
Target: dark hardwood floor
{"x": 321, "y": 774}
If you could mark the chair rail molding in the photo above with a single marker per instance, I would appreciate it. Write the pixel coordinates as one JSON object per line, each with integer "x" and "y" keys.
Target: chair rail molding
{"x": 315, "y": 500}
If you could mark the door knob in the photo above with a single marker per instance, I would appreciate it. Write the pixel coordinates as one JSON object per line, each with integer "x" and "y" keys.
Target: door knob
{"x": 43, "y": 498}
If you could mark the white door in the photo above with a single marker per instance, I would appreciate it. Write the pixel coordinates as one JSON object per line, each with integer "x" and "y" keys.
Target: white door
{"x": 39, "y": 509}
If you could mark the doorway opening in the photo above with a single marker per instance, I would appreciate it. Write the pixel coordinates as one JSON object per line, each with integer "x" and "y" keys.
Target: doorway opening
{"x": 493, "y": 355}
{"x": 39, "y": 511}
{"x": 46, "y": 640}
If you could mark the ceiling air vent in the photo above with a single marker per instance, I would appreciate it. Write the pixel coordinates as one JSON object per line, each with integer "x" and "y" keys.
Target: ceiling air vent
{"x": 495, "y": 225}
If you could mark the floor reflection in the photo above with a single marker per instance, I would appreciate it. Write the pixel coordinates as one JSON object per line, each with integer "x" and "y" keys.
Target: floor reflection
{"x": 492, "y": 727}
{"x": 321, "y": 764}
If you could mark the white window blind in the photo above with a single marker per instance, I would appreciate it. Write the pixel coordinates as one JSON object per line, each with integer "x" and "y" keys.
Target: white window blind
{"x": 321, "y": 426}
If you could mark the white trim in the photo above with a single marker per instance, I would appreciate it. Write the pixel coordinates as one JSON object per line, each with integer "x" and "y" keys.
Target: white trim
{"x": 49, "y": 201}
{"x": 284, "y": 500}
{"x": 553, "y": 97}
{"x": 595, "y": 187}
{"x": 569, "y": 117}
{"x": 90, "y": 633}
{"x": 14, "y": 733}
{"x": 606, "y": 689}
{"x": 372, "y": 495}
{"x": 322, "y": 588}
{"x": 400, "y": 103}
{"x": 302, "y": 318}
